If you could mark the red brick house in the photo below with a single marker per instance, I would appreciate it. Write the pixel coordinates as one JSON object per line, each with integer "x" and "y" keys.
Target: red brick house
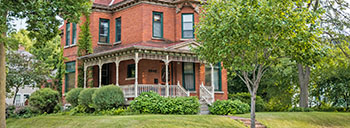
{"x": 137, "y": 42}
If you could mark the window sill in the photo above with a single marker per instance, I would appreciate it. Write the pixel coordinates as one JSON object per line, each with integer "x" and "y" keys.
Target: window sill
{"x": 129, "y": 78}
{"x": 100, "y": 43}
{"x": 220, "y": 92}
{"x": 69, "y": 46}
{"x": 155, "y": 38}
{"x": 187, "y": 39}
{"x": 119, "y": 42}
{"x": 193, "y": 91}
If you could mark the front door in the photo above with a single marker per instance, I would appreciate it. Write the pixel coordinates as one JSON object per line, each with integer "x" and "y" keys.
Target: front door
{"x": 106, "y": 77}
{"x": 188, "y": 76}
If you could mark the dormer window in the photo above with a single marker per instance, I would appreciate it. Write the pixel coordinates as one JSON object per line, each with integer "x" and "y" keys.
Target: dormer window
{"x": 104, "y": 31}
{"x": 187, "y": 26}
{"x": 157, "y": 25}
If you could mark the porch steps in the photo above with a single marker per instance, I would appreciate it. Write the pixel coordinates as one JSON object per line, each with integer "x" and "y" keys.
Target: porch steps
{"x": 204, "y": 108}
{"x": 247, "y": 122}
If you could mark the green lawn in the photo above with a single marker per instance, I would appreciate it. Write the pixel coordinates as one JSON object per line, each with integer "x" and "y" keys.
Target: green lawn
{"x": 135, "y": 121}
{"x": 303, "y": 119}
{"x": 271, "y": 119}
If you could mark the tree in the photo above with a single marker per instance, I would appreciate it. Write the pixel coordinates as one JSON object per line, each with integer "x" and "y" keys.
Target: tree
{"x": 250, "y": 36}
{"x": 335, "y": 23}
{"x": 24, "y": 70}
{"x": 41, "y": 23}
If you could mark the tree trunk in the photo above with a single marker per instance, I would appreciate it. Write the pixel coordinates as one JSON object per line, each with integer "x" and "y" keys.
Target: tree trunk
{"x": 2, "y": 85}
{"x": 304, "y": 77}
{"x": 252, "y": 110}
{"x": 14, "y": 98}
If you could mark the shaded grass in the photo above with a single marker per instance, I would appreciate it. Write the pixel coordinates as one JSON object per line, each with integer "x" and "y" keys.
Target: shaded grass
{"x": 303, "y": 119}
{"x": 134, "y": 121}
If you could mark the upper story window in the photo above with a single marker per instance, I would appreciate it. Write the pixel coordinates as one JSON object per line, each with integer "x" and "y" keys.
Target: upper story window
{"x": 187, "y": 26}
{"x": 157, "y": 24}
{"x": 118, "y": 29}
{"x": 67, "y": 33}
{"x": 104, "y": 31}
{"x": 74, "y": 34}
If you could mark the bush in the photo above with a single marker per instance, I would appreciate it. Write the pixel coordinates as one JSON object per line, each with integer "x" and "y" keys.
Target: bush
{"x": 108, "y": 97}
{"x": 112, "y": 111}
{"x": 245, "y": 98}
{"x": 150, "y": 102}
{"x": 85, "y": 98}
{"x": 300, "y": 109}
{"x": 44, "y": 100}
{"x": 72, "y": 96}
{"x": 275, "y": 105}
{"x": 228, "y": 107}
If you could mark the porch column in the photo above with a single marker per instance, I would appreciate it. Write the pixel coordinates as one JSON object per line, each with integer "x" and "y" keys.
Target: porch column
{"x": 212, "y": 82}
{"x": 166, "y": 75}
{"x": 136, "y": 72}
{"x": 100, "y": 73}
{"x": 117, "y": 71}
{"x": 85, "y": 68}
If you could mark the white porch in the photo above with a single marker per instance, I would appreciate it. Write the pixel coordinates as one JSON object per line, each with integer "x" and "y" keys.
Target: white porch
{"x": 136, "y": 54}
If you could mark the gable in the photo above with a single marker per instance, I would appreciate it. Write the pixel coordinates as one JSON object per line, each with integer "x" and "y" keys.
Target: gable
{"x": 185, "y": 46}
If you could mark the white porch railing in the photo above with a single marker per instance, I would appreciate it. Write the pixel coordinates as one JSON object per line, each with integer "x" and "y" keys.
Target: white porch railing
{"x": 174, "y": 90}
{"x": 205, "y": 94}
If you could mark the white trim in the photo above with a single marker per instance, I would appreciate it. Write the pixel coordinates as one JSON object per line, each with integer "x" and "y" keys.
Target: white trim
{"x": 118, "y": 42}
{"x": 132, "y": 78}
{"x": 100, "y": 43}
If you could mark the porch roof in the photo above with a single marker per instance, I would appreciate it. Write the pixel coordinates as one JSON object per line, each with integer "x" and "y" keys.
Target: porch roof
{"x": 177, "y": 47}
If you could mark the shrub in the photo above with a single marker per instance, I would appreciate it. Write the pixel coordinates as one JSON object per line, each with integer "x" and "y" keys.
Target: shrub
{"x": 245, "y": 98}
{"x": 275, "y": 105}
{"x": 72, "y": 96}
{"x": 150, "y": 102}
{"x": 226, "y": 107}
{"x": 44, "y": 100}
{"x": 300, "y": 109}
{"x": 85, "y": 98}
{"x": 112, "y": 111}
{"x": 108, "y": 97}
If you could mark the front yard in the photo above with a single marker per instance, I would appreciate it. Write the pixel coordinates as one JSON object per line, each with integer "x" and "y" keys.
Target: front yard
{"x": 303, "y": 119}
{"x": 134, "y": 121}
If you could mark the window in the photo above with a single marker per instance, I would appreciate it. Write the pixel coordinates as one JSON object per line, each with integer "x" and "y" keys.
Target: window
{"x": 131, "y": 71}
{"x": 67, "y": 33}
{"x": 105, "y": 74}
{"x": 74, "y": 34}
{"x": 188, "y": 76}
{"x": 118, "y": 29}
{"x": 217, "y": 76}
{"x": 187, "y": 26}
{"x": 70, "y": 76}
{"x": 158, "y": 24}
{"x": 104, "y": 31}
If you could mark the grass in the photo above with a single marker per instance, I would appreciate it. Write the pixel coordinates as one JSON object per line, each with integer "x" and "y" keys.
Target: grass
{"x": 303, "y": 119}
{"x": 134, "y": 121}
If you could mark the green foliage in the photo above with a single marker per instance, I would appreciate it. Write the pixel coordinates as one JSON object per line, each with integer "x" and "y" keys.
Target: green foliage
{"x": 20, "y": 112}
{"x": 73, "y": 96}
{"x": 245, "y": 98}
{"x": 85, "y": 97}
{"x": 229, "y": 107}
{"x": 112, "y": 111}
{"x": 78, "y": 109}
{"x": 85, "y": 38}
{"x": 300, "y": 109}
{"x": 331, "y": 80}
{"x": 275, "y": 104}
{"x": 150, "y": 102}
{"x": 24, "y": 69}
{"x": 44, "y": 100}
{"x": 108, "y": 97}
